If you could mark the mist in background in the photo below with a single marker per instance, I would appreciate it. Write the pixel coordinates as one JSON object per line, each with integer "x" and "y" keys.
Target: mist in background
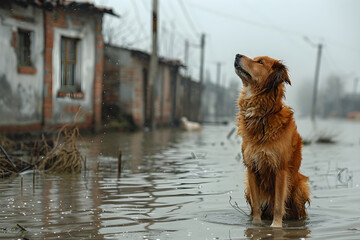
{"x": 285, "y": 30}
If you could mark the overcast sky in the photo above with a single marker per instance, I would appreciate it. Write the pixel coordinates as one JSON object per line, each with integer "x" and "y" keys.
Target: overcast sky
{"x": 252, "y": 27}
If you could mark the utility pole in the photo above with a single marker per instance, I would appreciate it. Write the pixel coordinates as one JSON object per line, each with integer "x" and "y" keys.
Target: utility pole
{"x": 153, "y": 64}
{"x": 186, "y": 60}
{"x": 201, "y": 77}
{"x": 202, "y": 46}
{"x": 317, "y": 71}
{"x": 218, "y": 90}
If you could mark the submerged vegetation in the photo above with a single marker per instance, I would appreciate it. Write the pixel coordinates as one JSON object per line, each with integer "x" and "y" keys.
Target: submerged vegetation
{"x": 321, "y": 137}
{"x": 64, "y": 155}
{"x": 326, "y": 137}
{"x": 57, "y": 153}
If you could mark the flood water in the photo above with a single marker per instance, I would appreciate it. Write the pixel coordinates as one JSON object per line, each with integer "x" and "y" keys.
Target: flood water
{"x": 177, "y": 185}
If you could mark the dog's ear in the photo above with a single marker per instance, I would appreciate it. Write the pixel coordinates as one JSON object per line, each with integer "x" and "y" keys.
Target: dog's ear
{"x": 278, "y": 76}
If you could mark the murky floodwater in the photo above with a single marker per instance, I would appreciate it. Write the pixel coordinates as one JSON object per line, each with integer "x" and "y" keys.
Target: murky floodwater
{"x": 177, "y": 185}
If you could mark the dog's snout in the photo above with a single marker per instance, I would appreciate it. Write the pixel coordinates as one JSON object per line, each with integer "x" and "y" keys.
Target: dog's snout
{"x": 237, "y": 59}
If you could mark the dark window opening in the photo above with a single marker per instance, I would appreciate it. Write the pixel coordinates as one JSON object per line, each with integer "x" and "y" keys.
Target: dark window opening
{"x": 68, "y": 63}
{"x": 24, "y": 50}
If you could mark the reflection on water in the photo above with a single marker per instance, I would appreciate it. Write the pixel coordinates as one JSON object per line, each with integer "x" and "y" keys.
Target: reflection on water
{"x": 177, "y": 185}
{"x": 273, "y": 233}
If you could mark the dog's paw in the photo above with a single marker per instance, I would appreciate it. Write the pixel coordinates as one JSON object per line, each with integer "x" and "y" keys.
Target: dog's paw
{"x": 276, "y": 224}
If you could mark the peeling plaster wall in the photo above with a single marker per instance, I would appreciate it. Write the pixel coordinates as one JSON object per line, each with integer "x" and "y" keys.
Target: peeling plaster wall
{"x": 124, "y": 70}
{"x": 20, "y": 94}
{"x": 120, "y": 72}
{"x": 64, "y": 109}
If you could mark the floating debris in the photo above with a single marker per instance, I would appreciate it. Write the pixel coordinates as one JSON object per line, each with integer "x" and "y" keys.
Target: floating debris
{"x": 231, "y": 133}
{"x": 237, "y": 208}
{"x": 10, "y": 165}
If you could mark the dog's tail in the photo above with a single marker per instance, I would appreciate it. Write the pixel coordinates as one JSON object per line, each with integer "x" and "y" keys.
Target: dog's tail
{"x": 300, "y": 196}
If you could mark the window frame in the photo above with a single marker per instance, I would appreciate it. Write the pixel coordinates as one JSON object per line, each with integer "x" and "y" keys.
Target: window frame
{"x": 68, "y": 85}
{"x": 24, "y": 49}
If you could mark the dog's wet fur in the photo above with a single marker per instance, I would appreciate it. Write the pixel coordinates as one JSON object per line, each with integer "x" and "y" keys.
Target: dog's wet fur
{"x": 271, "y": 145}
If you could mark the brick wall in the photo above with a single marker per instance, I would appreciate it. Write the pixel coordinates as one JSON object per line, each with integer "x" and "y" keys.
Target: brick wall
{"x": 59, "y": 18}
{"x": 99, "y": 66}
{"x": 50, "y": 21}
{"x": 124, "y": 72}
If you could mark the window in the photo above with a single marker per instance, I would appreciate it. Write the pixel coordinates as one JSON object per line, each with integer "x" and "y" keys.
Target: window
{"x": 24, "y": 48}
{"x": 68, "y": 64}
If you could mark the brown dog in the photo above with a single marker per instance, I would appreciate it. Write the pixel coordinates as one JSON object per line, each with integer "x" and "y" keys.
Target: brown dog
{"x": 271, "y": 144}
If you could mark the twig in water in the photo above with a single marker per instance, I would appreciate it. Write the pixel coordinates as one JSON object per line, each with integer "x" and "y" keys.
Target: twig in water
{"x": 236, "y": 207}
{"x": 231, "y": 132}
{"x": 7, "y": 156}
{"x": 193, "y": 155}
{"x": 22, "y": 229}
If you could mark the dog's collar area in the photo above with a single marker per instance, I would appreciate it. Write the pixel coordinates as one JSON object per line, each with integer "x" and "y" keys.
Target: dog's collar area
{"x": 263, "y": 121}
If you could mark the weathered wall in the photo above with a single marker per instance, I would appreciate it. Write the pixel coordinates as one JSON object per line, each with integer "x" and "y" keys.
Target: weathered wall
{"x": 164, "y": 111}
{"x": 120, "y": 80}
{"x": 126, "y": 88}
{"x": 21, "y": 97}
{"x": 59, "y": 109}
{"x": 188, "y": 99}
{"x": 139, "y": 103}
{"x": 123, "y": 81}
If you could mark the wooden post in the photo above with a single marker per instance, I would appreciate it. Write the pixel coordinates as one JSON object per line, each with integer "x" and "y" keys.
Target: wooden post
{"x": 119, "y": 163}
{"x": 34, "y": 172}
{"x": 22, "y": 184}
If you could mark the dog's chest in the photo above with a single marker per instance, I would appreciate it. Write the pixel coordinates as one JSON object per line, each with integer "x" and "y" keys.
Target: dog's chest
{"x": 261, "y": 158}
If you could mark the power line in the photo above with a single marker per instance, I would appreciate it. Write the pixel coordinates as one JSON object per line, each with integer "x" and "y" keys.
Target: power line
{"x": 244, "y": 20}
{"x": 267, "y": 26}
{"x": 186, "y": 29}
{"x": 188, "y": 18}
{"x": 138, "y": 15}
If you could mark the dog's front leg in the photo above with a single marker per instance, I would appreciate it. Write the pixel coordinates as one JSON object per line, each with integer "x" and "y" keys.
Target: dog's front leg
{"x": 254, "y": 196}
{"x": 281, "y": 185}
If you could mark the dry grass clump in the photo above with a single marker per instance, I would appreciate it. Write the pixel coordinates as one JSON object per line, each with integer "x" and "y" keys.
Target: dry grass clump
{"x": 9, "y": 164}
{"x": 58, "y": 153}
{"x": 322, "y": 137}
{"x": 63, "y": 155}
{"x": 9, "y": 144}
{"x": 6, "y": 168}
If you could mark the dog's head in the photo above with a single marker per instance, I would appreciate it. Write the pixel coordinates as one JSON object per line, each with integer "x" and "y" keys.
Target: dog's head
{"x": 261, "y": 73}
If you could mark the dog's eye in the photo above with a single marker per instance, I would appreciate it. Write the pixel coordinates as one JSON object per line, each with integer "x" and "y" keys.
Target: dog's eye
{"x": 260, "y": 62}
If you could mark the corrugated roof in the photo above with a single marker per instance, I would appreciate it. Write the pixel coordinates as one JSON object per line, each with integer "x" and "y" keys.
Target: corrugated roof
{"x": 167, "y": 61}
{"x": 146, "y": 56}
{"x": 51, "y": 4}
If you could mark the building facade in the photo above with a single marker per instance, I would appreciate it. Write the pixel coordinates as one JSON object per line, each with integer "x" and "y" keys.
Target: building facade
{"x": 51, "y": 65}
{"x": 127, "y": 88}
